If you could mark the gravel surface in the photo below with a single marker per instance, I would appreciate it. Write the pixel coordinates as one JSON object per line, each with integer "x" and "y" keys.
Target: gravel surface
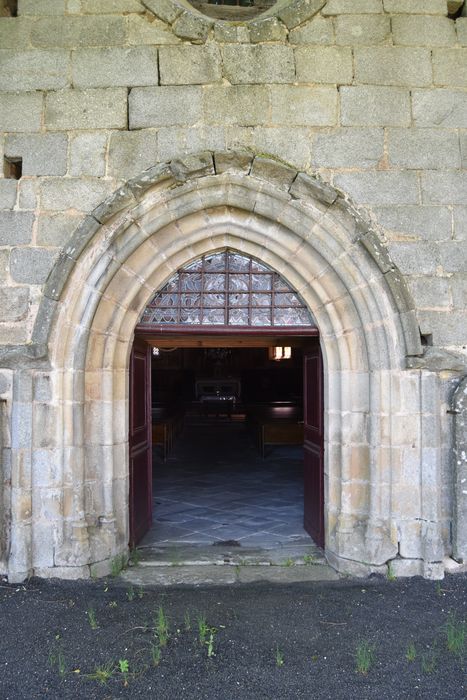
{"x": 75, "y": 640}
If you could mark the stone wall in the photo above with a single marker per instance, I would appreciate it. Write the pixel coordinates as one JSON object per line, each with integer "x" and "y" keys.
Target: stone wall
{"x": 368, "y": 95}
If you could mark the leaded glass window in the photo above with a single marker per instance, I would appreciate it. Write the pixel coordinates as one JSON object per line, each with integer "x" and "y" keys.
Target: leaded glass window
{"x": 227, "y": 289}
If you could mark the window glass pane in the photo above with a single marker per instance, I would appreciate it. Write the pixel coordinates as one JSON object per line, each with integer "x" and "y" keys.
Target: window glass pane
{"x": 190, "y": 300}
{"x": 239, "y": 283}
{"x": 215, "y": 263}
{"x": 213, "y": 283}
{"x": 287, "y": 300}
{"x": 261, "y": 282}
{"x": 214, "y": 300}
{"x": 227, "y": 284}
{"x": 258, "y": 267}
{"x": 214, "y": 316}
{"x": 190, "y": 316}
{"x": 238, "y": 263}
{"x": 291, "y": 317}
{"x": 239, "y": 299}
{"x": 238, "y": 317}
{"x": 190, "y": 282}
{"x": 260, "y": 317}
{"x": 261, "y": 299}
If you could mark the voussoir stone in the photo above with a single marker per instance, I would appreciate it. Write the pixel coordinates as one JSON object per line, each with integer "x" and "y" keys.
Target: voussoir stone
{"x": 192, "y": 166}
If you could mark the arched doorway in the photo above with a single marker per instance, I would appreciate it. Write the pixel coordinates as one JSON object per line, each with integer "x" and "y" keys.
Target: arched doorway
{"x": 227, "y": 304}
{"x": 130, "y": 246}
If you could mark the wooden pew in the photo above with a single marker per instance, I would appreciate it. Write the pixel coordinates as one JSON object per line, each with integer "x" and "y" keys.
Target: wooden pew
{"x": 280, "y": 433}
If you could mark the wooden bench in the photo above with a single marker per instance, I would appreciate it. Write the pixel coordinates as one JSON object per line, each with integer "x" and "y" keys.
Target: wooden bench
{"x": 280, "y": 433}
{"x": 165, "y": 428}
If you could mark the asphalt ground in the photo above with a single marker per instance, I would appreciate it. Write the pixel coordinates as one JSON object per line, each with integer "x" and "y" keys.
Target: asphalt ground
{"x": 362, "y": 639}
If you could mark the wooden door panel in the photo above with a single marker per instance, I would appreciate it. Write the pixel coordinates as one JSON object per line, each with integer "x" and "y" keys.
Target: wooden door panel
{"x": 313, "y": 445}
{"x": 140, "y": 442}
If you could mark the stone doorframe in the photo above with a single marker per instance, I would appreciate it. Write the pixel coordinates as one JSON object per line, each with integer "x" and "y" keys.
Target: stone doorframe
{"x": 378, "y": 508}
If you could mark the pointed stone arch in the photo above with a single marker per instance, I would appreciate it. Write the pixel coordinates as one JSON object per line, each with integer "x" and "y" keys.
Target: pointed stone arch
{"x": 128, "y": 248}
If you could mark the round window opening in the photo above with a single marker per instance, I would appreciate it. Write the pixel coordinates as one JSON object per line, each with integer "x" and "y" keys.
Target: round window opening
{"x": 233, "y": 10}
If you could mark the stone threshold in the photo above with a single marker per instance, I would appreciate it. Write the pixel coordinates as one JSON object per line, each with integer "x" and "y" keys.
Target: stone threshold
{"x": 200, "y": 565}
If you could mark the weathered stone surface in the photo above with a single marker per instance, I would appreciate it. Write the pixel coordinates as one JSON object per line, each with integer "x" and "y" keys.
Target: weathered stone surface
{"x": 430, "y": 292}
{"x": 353, "y": 7}
{"x": 421, "y": 7}
{"x": 299, "y": 11}
{"x": 189, "y": 25}
{"x": 428, "y": 223}
{"x": 306, "y": 186}
{"x": 446, "y": 327}
{"x": 233, "y": 160}
{"x": 276, "y": 141}
{"x": 189, "y": 65}
{"x": 453, "y": 256}
{"x": 441, "y": 108}
{"x": 147, "y": 179}
{"x": 450, "y": 67}
{"x": 393, "y": 66}
{"x": 28, "y": 194}
{"x": 34, "y": 70}
{"x": 423, "y": 148}
{"x": 459, "y": 406}
{"x": 4, "y": 265}
{"x": 41, "y": 7}
{"x": 21, "y": 112}
{"x": 327, "y": 64}
{"x": 298, "y": 105}
{"x": 375, "y": 106}
{"x": 87, "y": 109}
{"x": 258, "y": 64}
{"x": 118, "y": 200}
{"x": 268, "y": 29}
{"x": 8, "y": 192}
{"x": 14, "y": 303}
{"x": 420, "y": 259}
{"x": 444, "y": 187}
{"x": 56, "y": 229}
{"x": 164, "y": 106}
{"x": 192, "y": 166}
{"x": 115, "y": 66}
{"x": 458, "y": 285}
{"x": 227, "y": 33}
{"x": 380, "y": 187}
{"x": 244, "y": 105}
{"x": 42, "y": 154}
{"x": 131, "y": 152}
{"x": 461, "y": 28}
{"x": 362, "y": 29}
{"x": 72, "y": 32}
{"x": 273, "y": 171}
{"x": 423, "y": 31}
{"x": 31, "y": 265}
{"x": 14, "y": 32}
{"x": 156, "y": 33}
{"x": 348, "y": 148}
{"x": 73, "y": 193}
{"x": 460, "y": 223}
{"x": 317, "y": 31}
{"x": 172, "y": 142}
{"x": 87, "y": 154}
{"x": 109, "y": 6}
{"x": 15, "y": 227}
{"x": 165, "y": 9}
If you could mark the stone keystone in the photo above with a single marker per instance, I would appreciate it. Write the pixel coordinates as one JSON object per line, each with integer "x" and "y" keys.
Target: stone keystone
{"x": 233, "y": 160}
{"x": 192, "y": 166}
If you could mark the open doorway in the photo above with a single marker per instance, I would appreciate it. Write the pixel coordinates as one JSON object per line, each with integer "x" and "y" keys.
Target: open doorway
{"x": 232, "y": 460}
{"x": 226, "y": 410}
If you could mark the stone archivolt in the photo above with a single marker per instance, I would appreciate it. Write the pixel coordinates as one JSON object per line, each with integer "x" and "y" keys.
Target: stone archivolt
{"x": 306, "y": 231}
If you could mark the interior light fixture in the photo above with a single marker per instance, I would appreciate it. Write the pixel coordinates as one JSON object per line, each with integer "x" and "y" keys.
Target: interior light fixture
{"x": 279, "y": 352}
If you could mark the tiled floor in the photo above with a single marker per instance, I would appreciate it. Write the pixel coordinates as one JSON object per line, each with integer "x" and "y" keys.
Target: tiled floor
{"x": 215, "y": 488}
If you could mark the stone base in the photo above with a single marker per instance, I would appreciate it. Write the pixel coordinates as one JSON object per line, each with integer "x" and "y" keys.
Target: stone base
{"x": 349, "y": 567}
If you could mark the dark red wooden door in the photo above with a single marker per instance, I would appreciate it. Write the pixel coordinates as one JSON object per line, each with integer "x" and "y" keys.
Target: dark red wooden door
{"x": 313, "y": 444}
{"x": 140, "y": 441}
